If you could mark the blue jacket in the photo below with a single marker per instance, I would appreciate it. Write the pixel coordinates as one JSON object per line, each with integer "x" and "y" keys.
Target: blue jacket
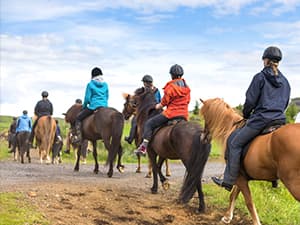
{"x": 157, "y": 96}
{"x": 24, "y": 124}
{"x": 96, "y": 94}
{"x": 266, "y": 99}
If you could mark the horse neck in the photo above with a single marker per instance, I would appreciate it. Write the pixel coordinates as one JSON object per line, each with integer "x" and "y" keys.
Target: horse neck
{"x": 221, "y": 124}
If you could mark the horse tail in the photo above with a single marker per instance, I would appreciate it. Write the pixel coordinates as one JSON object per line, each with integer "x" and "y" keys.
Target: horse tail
{"x": 117, "y": 131}
{"x": 49, "y": 133}
{"x": 194, "y": 167}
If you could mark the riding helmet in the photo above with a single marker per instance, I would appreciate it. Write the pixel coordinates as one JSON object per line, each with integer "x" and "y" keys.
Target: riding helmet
{"x": 176, "y": 71}
{"x": 78, "y": 101}
{"x": 272, "y": 53}
{"x": 44, "y": 94}
{"x": 147, "y": 79}
{"x": 25, "y": 112}
{"x": 96, "y": 71}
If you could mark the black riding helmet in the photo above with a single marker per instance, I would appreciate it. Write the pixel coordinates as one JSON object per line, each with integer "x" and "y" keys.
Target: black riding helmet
{"x": 96, "y": 71}
{"x": 272, "y": 53}
{"x": 45, "y": 94}
{"x": 147, "y": 79}
{"x": 78, "y": 101}
{"x": 25, "y": 112}
{"x": 176, "y": 71}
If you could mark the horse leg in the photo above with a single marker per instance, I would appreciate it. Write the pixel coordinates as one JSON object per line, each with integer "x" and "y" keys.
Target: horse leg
{"x": 95, "y": 155}
{"x": 138, "y": 169}
{"x": 152, "y": 156}
{"x": 28, "y": 155}
{"x": 232, "y": 199}
{"x": 76, "y": 168}
{"x": 168, "y": 172}
{"x": 201, "y": 208}
{"x": 120, "y": 167}
{"x": 163, "y": 180}
{"x": 149, "y": 174}
{"x": 244, "y": 187}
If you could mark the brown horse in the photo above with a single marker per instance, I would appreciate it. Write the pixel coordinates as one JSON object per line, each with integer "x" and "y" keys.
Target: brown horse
{"x": 129, "y": 110}
{"x": 269, "y": 157}
{"x": 45, "y": 134}
{"x": 105, "y": 124}
{"x": 182, "y": 140}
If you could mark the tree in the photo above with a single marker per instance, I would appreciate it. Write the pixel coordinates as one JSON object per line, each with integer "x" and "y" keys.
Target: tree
{"x": 196, "y": 109}
{"x": 291, "y": 112}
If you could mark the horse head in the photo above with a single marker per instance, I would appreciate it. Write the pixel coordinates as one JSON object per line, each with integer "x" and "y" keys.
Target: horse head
{"x": 72, "y": 112}
{"x": 129, "y": 106}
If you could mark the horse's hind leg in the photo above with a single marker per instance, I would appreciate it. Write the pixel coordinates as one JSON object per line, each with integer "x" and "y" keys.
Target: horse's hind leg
{"x": 95, "y": 155}
{"x": 76, "y": 168}
{"x": 163, "y": 180}
{"x": 201, "y": 208}
{"x": 168, "y": 172}
{"x": 120, "y": 167}
{"x": 149, "y": 173}
{"x": 152, "y": 156}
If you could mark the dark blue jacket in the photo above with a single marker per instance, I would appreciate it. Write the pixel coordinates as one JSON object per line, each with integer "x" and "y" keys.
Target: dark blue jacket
{"x": 266, "y": 99}
{"x": 43, "y": 108}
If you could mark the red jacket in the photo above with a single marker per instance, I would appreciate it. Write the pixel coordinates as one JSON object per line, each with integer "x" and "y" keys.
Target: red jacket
{"x": 176, "y": 98}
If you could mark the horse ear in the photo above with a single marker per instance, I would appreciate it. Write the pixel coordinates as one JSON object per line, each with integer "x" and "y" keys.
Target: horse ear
{"x": 64, "y": 114}
{"x": 201, "y": 100}
{"x": 125, "y": 95}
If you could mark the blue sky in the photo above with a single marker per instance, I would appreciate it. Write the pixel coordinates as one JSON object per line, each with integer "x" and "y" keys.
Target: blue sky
{"x": 53, "y": 45}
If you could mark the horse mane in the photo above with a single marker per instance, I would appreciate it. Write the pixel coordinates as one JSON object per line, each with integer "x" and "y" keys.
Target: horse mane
{"x": 145, "y": 103}
{"x": 70, "y": 115}
{"x": 220, "y": 119}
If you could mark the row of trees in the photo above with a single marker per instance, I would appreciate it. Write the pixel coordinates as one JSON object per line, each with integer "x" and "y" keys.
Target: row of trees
{"x": 291, "y": 112}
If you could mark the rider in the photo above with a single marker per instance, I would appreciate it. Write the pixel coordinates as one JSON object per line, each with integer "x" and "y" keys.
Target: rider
{"x": 148, "y": 83}
{"x": 42, "y": 108}
{"x": 176, "y": 98}
{"x": 24, "y": 123}
{"x": 96, "y": 96}
{"x": 267, "y": 98}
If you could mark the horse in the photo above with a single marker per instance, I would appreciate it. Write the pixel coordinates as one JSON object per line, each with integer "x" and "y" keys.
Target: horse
{"x": 129, "y": 109}
{"x": 271, "y": 156}
{"x": 22, "y": 145}
{"x": 182, "y": 140}
{"x": 105, "y": 124}
{"x": 56, "y": 150}
{"x": 45, "y": 134}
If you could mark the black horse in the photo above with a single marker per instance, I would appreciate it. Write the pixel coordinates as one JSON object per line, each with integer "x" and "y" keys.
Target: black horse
{"x": 105, "y": 124}
{"x": 182, "y": 140}
{"x": 22, "y": 145}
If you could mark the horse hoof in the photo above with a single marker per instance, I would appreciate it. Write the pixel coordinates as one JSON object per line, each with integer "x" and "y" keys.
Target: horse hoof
{"x": 168, "y": 174}
{"x": 109, "y": 174}
{"x": 166, "y": 185}
{"x": 76, "y": 169}
{"x": 96, "y": 171}
{"x": 120, "y": 169}
{"x": 226, "y": 220}
{"x": 153, "y": 191}
{"x": 148, "y": 175}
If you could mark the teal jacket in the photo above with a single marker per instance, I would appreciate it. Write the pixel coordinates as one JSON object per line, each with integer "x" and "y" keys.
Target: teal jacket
{"x": 96, "y": 94}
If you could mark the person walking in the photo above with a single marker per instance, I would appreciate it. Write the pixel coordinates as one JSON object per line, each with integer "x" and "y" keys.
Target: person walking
{"x": 267, "y": 98}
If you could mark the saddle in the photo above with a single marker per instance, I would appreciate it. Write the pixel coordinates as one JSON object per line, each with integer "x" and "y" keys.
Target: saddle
{"x": 173, "y": 121}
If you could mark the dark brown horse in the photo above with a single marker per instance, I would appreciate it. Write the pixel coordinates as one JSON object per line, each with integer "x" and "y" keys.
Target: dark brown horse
{"x": 183, "y": 140}
{"x": 105, "y": 124}
{"x": 129, "y": 109}
{"x": 271, "y": 156}
{"x": 22, "y": 145}
{"x": 45, "y": 133}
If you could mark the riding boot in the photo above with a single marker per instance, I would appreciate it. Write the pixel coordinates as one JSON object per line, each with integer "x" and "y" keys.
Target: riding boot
{"x": 142, "y": 149}
{"x": 78, "y": 136}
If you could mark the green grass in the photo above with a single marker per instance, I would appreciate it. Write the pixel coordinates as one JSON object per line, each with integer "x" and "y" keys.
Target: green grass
{"x": 14, "y": 209}
{"x": 274, "y": 205}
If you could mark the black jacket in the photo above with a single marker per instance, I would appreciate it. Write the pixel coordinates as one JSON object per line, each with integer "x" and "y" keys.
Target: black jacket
{"x": 43, "y": 107}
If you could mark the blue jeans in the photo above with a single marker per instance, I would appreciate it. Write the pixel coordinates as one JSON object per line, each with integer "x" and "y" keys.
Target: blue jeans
{"x": 152, "y": 123}
{"x": 235, "y": 148}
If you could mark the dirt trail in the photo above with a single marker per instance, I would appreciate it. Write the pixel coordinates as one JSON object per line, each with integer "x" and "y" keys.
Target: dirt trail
{"x": 67, "y": 197}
